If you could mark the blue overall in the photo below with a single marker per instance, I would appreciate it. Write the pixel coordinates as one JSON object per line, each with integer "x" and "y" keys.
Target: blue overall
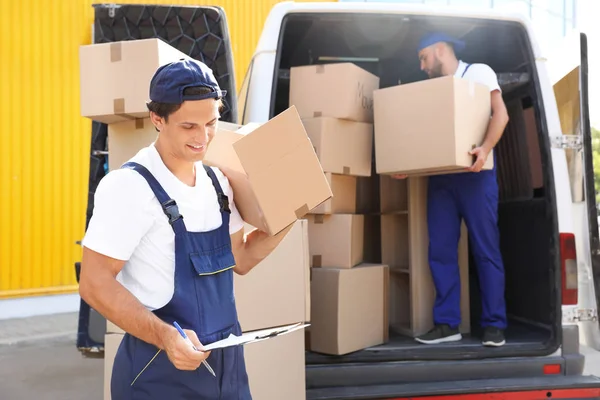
{"x": 472, "y": 196}
{"x": 203, "y": 301}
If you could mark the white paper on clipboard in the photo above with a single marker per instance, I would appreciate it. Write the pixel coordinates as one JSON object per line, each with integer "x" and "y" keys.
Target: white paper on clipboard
{"x": 254, "y": 336}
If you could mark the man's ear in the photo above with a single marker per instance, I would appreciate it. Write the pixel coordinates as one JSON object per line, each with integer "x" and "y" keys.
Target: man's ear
{"x": 157, "y": 121}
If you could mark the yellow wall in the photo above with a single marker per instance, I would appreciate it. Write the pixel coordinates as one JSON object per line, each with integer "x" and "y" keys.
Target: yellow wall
{"x": 44, "y": 143}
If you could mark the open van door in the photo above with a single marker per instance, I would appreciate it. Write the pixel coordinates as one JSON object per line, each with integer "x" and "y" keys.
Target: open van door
{"x": 571, "y": 92}
{"x": 589, "y": 181}
{"x": 200, "y": 32}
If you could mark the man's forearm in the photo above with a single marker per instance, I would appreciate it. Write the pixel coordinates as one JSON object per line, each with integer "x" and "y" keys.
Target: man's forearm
{"x": 494, "y": 132}
{"x": 257, "y": 246}
{"x": 117, "y": 304}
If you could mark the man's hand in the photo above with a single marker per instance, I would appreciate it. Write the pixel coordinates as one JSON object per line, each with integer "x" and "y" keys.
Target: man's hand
{"x": 179, "y": 351}
{"x": 399, "y": 176}
{"x": 481, "y": 155}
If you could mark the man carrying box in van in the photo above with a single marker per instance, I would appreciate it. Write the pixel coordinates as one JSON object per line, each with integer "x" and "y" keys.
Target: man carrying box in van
{"x": 470, "y": 195}
{"x": 161, "y": 248}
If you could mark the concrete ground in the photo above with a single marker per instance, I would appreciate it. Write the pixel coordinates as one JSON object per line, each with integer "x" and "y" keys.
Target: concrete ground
{"x": 39, "y": 360}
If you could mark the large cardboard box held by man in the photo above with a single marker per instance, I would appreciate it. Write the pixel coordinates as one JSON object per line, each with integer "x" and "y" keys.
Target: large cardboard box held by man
{"x": 273, "y": 170}
{"x": 115, "y": 77}
{"x": 340, "y": 90}
{"x": 429, "y": 127}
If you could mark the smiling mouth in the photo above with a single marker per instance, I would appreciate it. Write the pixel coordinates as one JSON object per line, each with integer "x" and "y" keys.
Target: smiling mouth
{"x": 197, "y": 147}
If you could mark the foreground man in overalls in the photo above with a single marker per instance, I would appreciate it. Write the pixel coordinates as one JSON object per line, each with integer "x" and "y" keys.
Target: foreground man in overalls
{"x": 471, "y": 195}
{"x": 162, "y": 245}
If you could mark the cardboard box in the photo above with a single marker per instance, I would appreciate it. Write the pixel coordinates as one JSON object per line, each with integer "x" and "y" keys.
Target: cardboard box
{"x": 450, "y": 112}
{"x": 341, "y": 90}
{"x": 344, "y": 197}
{"x": 336, "y": 241}
{"x": 343, "y": 147}
{"x": 115, "y": 77}
{"x": 274, "y": 169}
{"x": 277, "y": 291}
{"x": 126, "y": 138}
{"x": 112, "y": 342}
{"x": 349, "y": 308}
{"x": 276, "y": 367}
{"x": 112, "y": 328}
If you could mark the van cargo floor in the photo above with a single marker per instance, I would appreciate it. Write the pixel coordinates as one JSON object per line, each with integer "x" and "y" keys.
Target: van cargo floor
{"x": 521, "y": 340}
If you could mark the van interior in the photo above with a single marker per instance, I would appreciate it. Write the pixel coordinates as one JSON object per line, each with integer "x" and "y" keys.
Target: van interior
{"x": 385, "y": 44}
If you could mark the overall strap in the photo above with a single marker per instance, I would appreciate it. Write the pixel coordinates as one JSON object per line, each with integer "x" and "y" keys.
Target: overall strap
{"x": 168, "y": 205}
{"x": 222, "y": 197}
{"x": 466, "y": 69}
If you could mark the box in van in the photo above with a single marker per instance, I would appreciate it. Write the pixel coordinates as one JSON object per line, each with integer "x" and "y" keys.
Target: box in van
{"x": 343, "y": 91}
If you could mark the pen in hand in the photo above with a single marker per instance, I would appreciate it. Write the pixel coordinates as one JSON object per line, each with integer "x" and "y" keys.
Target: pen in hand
{"x": 187, "y": 339}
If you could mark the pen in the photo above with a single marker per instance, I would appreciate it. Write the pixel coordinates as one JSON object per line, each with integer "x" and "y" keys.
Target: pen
{"x": 182, "y": 333}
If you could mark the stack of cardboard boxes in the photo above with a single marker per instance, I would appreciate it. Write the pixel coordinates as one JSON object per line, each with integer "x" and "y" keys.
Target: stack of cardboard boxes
{"x": 375, "y": 218}
{"x": 114, "y": 85}
{"x": 348, "y": 293}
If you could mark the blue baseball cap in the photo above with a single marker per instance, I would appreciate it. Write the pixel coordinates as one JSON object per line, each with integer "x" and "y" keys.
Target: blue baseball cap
{"x": 435, "y": 37}
{"x": 170, "y": 80}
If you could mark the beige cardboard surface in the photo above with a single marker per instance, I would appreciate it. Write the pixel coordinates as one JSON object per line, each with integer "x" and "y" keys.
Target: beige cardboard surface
{"x": 126, "y": 138}
{"x": 336, "y": 240}
{"x": 111, "y": 344}
{"x": 273, "y": 170}
{"x": 276, "y": 292}
{"x": 343, "y": 147}
{"x": 349, "y": 308}
{"x": 115, "y": 77}
{"x": 283, "y": 169}
{"x": 341, "y": 90}
{"x": 429, "y": 127}
{"x": 344, "y": 197}
{"x": 112, "y": 328}
{"x": 393, "y": 194}
{"x": 276, "y": 367}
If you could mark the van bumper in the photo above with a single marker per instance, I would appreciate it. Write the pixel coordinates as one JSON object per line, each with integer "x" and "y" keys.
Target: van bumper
{"x": 540, "y": 388}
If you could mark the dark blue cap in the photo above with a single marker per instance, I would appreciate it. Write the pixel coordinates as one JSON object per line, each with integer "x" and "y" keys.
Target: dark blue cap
{"x": 436, "y": 37}
{"x": 170, "y": 80}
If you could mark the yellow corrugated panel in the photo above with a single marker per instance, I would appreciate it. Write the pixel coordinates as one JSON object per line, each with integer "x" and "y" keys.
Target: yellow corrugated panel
{"x": 44, "y": 143}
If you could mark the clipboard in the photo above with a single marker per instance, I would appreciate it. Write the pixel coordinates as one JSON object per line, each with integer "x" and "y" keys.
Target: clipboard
{"x": 254, "y": 336}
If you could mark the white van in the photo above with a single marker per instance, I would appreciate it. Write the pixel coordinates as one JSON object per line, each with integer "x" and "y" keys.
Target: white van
{"x": 547, "y": 211}
{"x": 548, "y": 217}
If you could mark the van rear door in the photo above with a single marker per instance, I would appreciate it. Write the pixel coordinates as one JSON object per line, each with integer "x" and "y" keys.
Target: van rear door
{"x": 580, "y": 296}
{"x": 200, "y": 32}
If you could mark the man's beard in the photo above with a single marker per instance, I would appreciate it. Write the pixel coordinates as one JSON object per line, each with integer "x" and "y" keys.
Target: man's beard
{"x": 436, "y": 71}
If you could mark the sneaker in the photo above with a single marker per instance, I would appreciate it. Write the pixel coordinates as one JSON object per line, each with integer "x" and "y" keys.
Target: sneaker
{"x": 493, "y": 337}
{"x": 440, "y": 334}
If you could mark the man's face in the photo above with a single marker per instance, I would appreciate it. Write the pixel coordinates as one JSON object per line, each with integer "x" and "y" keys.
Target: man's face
{"x": 190, "y": 129}
{"x": 430, "y": 62}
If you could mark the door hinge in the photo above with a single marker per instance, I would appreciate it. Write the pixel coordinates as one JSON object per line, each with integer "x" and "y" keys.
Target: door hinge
{"x": 567, "y": 142}
{"x": 581, "y": 315}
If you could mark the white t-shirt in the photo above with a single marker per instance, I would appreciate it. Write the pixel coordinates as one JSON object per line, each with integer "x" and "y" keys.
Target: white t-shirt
{"x": 480, "y": 73}
{"x": 129, "y": 224}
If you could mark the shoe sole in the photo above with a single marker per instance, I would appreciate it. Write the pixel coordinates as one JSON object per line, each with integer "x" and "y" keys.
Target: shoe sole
{"x": 494, "y": 344}
{"x": 453, "y": 338}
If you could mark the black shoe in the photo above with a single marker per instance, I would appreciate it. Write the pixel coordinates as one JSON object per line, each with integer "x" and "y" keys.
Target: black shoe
{"x": 440, "y": 334}
{"x": 493, "y": 336}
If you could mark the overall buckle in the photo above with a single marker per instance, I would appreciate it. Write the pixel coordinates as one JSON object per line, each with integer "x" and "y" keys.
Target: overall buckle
{"x": 224, "y": 203}
{"x": 171, "y": 210}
